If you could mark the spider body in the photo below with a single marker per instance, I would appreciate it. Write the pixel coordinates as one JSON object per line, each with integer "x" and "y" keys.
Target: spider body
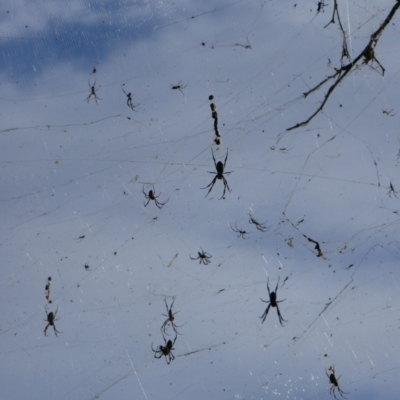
{"x": 51, "y": 318}
{"x": 152, "y": 196}
{"x": 129, "y": 100}
{"x": 272, "y": 303}
{"x": 220, "y": 168}
{"x": 335, "y": 384}
{"x": 92, "y": 90}
{"x": 179, "y": 86}
{"x": 170, "y": 319}
{"x": 240, "y": 233}
{"x": 165, "y": 351}
{"x": 203, "y": 257}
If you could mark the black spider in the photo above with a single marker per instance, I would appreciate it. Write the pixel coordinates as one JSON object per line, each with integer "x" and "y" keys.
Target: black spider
{"x": 219, "y": 175}
{"x": 335, "y": 384}
{"x": 239, "y": 231}
{"x": 178, "y": 87}
{"x": 392, "y": 190}
{"x": 165, "y": 350}
{"x": 260, "y": 226}
{"x": 203, "y": 257}
{"x": 92, "y": 90}
{"x": 272, "y": 303}
{"x": 51, "y": 318}
{"x": 152, "y": 196}
{"x": 320, "y": 6}
{"x": 129, "y": 100}
{"x": 170, "y": 318}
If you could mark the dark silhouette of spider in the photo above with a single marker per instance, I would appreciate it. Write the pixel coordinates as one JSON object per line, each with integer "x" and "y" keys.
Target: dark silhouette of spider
{"x": 239, "y": 231}
{"x": 129, "y": 100}
{"x": 165, "y": 350}
{"x": 391, "y": 190}
{"x": 152, "y": 196}
{"x": 219, "y": 175}
{"x": 178, "y": 87}
{"x": 272, "y": 303}
{"x": 92, "y": 90}
{"x": 203, "y": 257}
{"x": 335, "y": 384}
{"x": 51, "y": 318}
{"x": 170, "y": 319}
{"x": 320, "y": 6}
{"x": 260, "y": 226}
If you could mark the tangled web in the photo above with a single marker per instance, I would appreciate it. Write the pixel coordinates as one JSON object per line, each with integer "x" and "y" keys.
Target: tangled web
{"x": 188, "y": 153}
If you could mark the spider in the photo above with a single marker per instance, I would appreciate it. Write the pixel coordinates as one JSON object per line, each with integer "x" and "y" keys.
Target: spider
{"x": 320, "y": 6}
{"x": 152, "y": 196}
{"x": 335, "y": 384}
{"x": 203, "y": 257}
{"x": 392, "y": 190}
{"x": 272, "y": 303}
{"x": 87, "y": 267}
{"x": 129, "y": 100}
{"x": 260, "y": 226}
{"x": 239, "y": 232}
{"x": 178, "y": 87}
{"x": 51, "y": 318}
{"x": 165, "y": 350}
{"x": 92, "y": 90}
{"x": 219, "y": 175}
{"x": 170, "y": 318}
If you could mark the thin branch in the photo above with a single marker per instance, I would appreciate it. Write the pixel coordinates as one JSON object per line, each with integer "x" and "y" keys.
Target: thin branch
{"x": 368, "y": 54}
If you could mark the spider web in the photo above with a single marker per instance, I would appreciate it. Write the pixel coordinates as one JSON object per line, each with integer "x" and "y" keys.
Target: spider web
{"x": 72, "y": 182}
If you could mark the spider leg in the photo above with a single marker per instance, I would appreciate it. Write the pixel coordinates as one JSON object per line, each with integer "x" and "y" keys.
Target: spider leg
{"x": 276, "y": 289}
{"x": 279, "y": 315}
{"x": 268, "y": 287}
{"x": 211, "y": 184}
{"x": 45, "y": 329}
{"x": 193, "y": 258}
{"x": 226, "y": 158}
{"x": 148, "y": 201}
{"x": 215, "y": 163}
{"x": 264, "y": 316}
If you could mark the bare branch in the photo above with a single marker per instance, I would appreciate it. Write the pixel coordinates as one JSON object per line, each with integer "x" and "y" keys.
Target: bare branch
{"x": 368, "y": 54}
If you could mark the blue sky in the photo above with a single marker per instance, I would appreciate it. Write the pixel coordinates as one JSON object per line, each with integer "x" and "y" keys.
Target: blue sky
{"x": 73, "y": 176}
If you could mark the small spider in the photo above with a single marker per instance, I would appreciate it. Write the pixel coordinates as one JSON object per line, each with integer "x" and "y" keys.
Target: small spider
{"x": 203, "y": 257}
{"x": 129, "y": 100}
{"x": 170, "y": 318}
{"x": 219, "y": 175}
{"x": 165, "y": 350}
{"x": 389, "y": 112}
{"x": 92, "y": 90}
{"x": 392, "y": 190}
{"x": 335, "y": 384}
{"x": 87, "y": 267}
{"x": 51, "y": 318}
{"x": 178, "y": 87}
{"x": 272, "y": 303}
{"x": 320, "y": 6}
{"x": 152, "y": 196}
{"x": 260, "y": 226}
{"x": 239, "y": 231}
